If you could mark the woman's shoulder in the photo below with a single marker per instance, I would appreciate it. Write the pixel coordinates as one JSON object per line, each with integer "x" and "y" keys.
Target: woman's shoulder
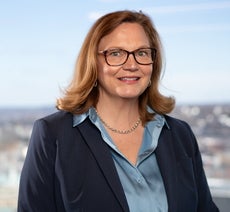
{"x": 54, "y": 124}
{"x": 57, "y": 116}
{"x": 173, "y": 121}
{"x": 182, "y": 133}
{"x": 56, "y": 119}
{"x": 179, "y": 126}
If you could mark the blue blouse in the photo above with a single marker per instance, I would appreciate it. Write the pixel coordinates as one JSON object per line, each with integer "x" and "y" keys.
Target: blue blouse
{"x": 142, "y": 183}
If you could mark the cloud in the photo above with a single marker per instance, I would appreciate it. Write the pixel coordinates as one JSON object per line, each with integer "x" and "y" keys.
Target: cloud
{"x": 109, "y": 1}
{"x": 189, "y": 8}
{"x": 195, "y": 28}
{"x": 94, "y": 15}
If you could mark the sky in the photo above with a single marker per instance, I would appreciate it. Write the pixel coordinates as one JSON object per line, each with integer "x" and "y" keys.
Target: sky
{"x": 40, "y": 41}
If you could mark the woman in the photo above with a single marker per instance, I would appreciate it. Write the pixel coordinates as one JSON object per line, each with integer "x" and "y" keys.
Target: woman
{"x": 111, "y": 147}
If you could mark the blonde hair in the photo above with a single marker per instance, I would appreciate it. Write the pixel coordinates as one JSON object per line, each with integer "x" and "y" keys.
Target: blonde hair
{"x": 81, "y": 94}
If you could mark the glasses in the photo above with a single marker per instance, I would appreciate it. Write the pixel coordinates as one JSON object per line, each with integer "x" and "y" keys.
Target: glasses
{"x": 118, "y": 57}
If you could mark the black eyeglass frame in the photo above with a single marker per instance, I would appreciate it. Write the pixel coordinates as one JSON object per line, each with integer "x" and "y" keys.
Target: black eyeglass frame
{"x": 153, "y": 55}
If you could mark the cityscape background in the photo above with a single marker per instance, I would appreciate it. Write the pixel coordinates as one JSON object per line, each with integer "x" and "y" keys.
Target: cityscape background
{"x": 210, "y": 123}
{"x": 39, "y": 43}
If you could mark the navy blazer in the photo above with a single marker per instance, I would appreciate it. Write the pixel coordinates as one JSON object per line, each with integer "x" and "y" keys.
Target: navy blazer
{"x": 71, "y": 169}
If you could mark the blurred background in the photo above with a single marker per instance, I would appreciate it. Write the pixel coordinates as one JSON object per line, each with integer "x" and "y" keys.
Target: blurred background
{"x": 39, "y": 43}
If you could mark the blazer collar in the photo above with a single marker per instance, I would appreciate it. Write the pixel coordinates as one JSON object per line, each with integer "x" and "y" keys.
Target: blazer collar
{"x": 103, "y": 156}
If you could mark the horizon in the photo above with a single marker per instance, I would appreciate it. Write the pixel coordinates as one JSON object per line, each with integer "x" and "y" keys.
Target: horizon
{"x": 53, "y": 107}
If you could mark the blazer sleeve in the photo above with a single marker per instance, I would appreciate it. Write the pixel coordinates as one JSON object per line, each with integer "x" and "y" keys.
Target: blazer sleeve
{"x": 205, "y": 199}
{"x": 37, "y": 177}
{"x": 190, "y": 146}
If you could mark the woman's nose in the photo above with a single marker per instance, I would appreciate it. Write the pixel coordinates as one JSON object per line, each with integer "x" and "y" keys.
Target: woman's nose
{"x": 130, "y": 64}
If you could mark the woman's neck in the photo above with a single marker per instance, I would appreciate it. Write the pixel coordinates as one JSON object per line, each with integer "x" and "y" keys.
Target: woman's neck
{"x": 119, "y": 114}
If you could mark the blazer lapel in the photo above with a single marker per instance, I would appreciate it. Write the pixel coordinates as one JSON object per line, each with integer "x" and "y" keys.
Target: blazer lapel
{"x": 165, "y": 155}
{"x": 103, "y": 156}
{"x": 167, "y": 164}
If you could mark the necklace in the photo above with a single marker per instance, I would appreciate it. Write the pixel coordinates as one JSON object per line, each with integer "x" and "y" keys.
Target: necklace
{"x": 121, "y": 131}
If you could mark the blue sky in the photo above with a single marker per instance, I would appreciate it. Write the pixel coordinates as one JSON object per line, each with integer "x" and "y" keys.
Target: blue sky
{"x": 40, "y": 40}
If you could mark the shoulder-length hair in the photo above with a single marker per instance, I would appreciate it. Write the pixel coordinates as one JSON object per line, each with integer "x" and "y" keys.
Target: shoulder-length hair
{"x": 82, "y": 93}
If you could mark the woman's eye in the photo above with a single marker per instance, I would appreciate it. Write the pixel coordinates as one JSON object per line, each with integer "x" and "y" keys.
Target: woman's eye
{"x": 114, "y": 53}
{"x": 142, "y": 53}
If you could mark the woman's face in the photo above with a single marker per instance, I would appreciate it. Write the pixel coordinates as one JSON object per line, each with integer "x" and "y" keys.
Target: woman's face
{"x": 130, "y": 79}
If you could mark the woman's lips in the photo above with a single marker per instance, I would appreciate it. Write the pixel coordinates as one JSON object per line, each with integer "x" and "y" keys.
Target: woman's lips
{"x": 129, "y": 78}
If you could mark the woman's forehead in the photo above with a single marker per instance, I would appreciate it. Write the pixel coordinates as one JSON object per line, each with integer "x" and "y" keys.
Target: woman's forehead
{"x": 125, "y": 35}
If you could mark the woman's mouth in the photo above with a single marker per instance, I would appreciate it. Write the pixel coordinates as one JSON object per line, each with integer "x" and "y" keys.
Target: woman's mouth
{"x": 129, "y": 78}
